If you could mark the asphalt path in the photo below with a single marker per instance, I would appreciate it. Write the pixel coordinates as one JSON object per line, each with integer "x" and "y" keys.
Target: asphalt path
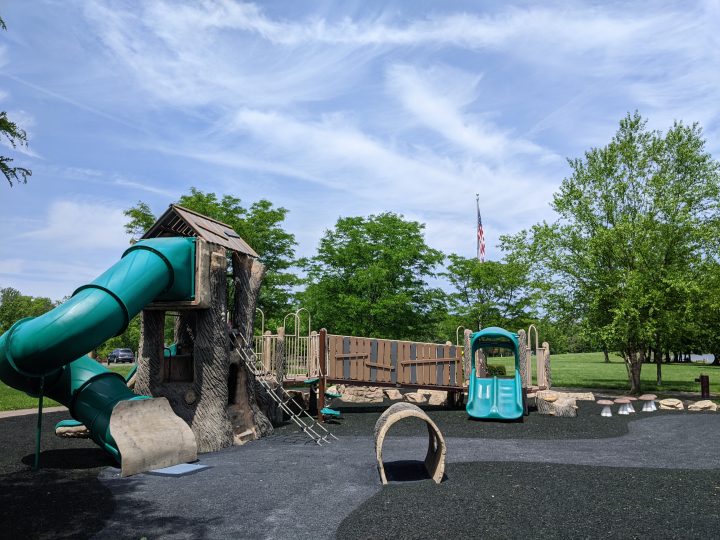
{"x": 649, "y": 475}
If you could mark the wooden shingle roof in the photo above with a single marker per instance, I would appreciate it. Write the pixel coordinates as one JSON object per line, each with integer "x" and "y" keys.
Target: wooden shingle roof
{"x": 179, "y": 221}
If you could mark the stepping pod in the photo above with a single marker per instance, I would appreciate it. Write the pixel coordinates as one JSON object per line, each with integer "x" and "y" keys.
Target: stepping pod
{"x": 606, "y": 403}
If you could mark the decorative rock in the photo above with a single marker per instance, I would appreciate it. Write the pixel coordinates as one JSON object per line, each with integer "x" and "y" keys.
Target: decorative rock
{"x": 415, "y": 397}
{"x": 704, "y": 405}
{"x": 72, "y": 432}
{"x": 550, "y": 397}
{"x": 671, "y": 404}
{"x": 435, "y": 457}
{"x": 393, "y": 394}
{"x": 436, "y": 397}
{"x": 560, "y": 406}
{"x": 362, "y": 394}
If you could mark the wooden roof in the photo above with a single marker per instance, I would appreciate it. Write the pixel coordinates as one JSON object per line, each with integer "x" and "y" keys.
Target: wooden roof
{"x": 179, "y": 221}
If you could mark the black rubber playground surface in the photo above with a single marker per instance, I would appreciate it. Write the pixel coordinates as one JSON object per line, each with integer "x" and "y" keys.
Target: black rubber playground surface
{"x": 651, "y": 475}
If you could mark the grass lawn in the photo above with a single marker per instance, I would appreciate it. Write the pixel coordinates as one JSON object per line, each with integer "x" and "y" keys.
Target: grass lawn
{"x": 11, "y": 399}
{"x": 589, "y": 370}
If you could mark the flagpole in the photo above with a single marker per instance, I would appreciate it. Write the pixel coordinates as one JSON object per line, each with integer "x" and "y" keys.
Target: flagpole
{"x": 477, "y": 220}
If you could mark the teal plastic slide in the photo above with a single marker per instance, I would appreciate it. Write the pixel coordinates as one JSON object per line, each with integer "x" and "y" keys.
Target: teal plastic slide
{"x": 493, "y": 397}
{"x": 46, "y": 354}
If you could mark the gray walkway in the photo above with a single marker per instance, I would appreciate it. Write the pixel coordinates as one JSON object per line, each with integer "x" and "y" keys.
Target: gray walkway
{"x": 281, "y": 487}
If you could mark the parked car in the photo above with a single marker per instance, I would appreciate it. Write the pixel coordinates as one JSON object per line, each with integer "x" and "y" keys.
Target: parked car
{"x": 121, "y": 355}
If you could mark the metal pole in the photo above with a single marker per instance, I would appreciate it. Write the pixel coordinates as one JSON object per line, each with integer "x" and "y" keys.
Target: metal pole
{"x": 322, "y": 374}
{"x": 38, "y": 432}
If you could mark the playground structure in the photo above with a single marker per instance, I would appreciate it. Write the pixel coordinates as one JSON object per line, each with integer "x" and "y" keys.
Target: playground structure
{"x": 435, "y": 457}
{"x": 199, "y": 395}
{"x": 495, "y": 397}
{"x": 363, "y": 361}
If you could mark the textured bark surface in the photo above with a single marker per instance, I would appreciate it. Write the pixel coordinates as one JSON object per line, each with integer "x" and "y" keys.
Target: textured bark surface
{"x": 523, "y": 352}
{"x": 202, "y": 403}
{"x": 253, "y": 409}
{"x": 546, "y": 365}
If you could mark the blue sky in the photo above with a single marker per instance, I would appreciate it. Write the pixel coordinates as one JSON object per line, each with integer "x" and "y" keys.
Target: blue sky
{"x": 328, "y": 109}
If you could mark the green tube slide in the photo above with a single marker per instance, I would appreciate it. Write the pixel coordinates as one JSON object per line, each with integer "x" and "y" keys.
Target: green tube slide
{"x": 47, "y": 352}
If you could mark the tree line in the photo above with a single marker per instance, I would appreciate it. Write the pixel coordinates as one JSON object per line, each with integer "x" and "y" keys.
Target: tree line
{"x": 630, "y": 266}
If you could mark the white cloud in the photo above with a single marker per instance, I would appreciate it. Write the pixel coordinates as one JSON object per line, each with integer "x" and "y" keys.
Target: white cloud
{"x": 436, "y": 97}
{"x": 82, "y": 225}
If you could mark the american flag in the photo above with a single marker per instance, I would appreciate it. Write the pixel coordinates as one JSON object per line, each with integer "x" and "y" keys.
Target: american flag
{"x": 480, "y": 233}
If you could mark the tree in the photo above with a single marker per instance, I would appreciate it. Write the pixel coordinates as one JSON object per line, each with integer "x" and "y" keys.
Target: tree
{"x": 636, "y": 218}
{"x": 260, "y": 226}
{"x": 15, "y": 306}
{"x": 368, "y": 278}
{"x": 15, "y": 136}
{"x": 491, "y": 293}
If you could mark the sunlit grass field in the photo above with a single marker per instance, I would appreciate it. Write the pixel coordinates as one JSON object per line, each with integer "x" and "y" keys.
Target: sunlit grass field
{"x": 589, "y": 370}
{"x": 11, "y": 399}
{"x": 584, "y": 370}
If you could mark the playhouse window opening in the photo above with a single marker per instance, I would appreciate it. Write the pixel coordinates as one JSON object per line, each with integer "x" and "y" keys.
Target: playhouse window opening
{"x": 500, "y": 362}
{"x": 232, "y": 384}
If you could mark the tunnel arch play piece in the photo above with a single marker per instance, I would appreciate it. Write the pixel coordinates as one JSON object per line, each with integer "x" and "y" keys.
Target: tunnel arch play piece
{"x": 435, "y": 458}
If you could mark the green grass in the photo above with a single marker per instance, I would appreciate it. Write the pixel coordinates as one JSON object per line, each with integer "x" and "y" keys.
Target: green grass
{"x": 589, "y": 370}
{"x": 11, "y": 399}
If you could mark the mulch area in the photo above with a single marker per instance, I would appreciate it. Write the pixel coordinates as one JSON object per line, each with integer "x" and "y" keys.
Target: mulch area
{"x": 66, "y": 499}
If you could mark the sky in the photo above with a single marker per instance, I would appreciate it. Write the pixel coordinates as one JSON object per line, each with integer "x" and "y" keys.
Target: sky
{"x": 329, "y": 109}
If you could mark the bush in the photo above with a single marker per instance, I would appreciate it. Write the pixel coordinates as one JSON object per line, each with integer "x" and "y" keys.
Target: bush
{"x": 496, "y": 371}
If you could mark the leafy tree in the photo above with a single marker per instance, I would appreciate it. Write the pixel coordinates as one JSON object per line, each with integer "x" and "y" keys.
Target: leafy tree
{"x": 491, "y": 293}
{"x": 635, "y": 218}
{"x": 260, "y": 226}
{"x": 15, "y": 306}
{"x": 15, "y": 136}
{"x": 368, "y": 278}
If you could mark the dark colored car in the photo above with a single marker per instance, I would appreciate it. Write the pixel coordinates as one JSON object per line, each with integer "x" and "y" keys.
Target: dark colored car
{"x": 121, "y": 355}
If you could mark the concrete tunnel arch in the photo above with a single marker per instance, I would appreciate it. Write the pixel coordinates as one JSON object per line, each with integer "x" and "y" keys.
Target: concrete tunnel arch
{"x": 435, "y": 457}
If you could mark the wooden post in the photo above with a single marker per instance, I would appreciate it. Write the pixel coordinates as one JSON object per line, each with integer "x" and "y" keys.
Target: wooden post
{"x": 280, "y": 356}
{"x": 323, "y": 373}
{"x": 267, "y": 352}
{"x": 312, "y": 363}
{"x": 466, "y": 355}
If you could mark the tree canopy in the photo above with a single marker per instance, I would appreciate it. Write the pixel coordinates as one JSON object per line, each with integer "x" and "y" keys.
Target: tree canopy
{"x": 637, "y": 219}
{"x": 15, "y": 136}
{"x": 491, "y": 293}
{"x": 15, "y": 306}
{"x": 369, "y": 278}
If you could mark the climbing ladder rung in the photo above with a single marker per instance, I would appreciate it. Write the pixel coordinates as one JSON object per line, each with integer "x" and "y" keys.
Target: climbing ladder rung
{"x": 281, "y": 396}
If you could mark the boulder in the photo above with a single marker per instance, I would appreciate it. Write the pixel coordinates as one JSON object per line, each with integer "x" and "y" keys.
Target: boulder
{"x": 415, "y": 397}
{"x": 704, "y": 405}
{"x": 548, "y": 396}
{"x": 671, "y": 404}
{"x": 436, "y": 397}
{"x": 560, "y": 406}
{"x": 72, "y": 432}
{"x": 362, "y": 394}
{"x": 393, "y": 394}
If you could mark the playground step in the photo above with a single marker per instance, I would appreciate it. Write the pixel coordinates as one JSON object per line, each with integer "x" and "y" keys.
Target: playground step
{"x": 327, "y": 411}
